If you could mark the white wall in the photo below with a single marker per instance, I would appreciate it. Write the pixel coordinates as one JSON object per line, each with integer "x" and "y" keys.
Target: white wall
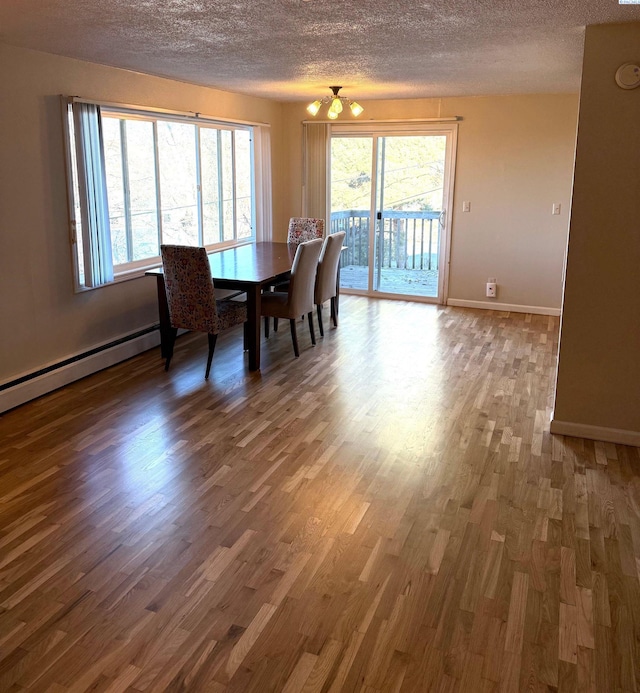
{"x": 515, "y": 159}
{"x": 598, "y": 389}
{"x": 43, "y": 320}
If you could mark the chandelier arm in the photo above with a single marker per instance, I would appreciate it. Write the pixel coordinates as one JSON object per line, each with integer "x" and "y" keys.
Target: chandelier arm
{"x": 334, "y": 99}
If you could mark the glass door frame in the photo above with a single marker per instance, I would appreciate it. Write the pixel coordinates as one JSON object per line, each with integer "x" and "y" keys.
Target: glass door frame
{"x": 375, "y": 131}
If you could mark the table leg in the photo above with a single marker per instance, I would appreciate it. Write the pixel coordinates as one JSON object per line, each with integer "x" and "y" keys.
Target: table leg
{"x": 163, "y": 314}
{"x": 253, "y": 319}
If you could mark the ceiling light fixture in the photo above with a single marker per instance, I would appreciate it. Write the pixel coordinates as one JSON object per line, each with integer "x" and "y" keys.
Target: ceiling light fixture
{"x": 336, "y": 105}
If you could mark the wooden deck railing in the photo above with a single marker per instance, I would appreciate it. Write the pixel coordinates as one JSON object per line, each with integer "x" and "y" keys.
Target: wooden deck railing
{"x": 410, "y": 239}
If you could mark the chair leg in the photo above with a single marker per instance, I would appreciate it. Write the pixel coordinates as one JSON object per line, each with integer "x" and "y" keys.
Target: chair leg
{"x": 172, "y": 333}
{"x": 334, "y": 312}
{"x": 312, "y": 332}
{"x": 275, "y": 324}
{"x": 294, "y": 338}
{"x": 266, "y": 327}
{"x": 320, "y": 325}
{"x": 212, "y": 346}
{"x": 245, "y": 335}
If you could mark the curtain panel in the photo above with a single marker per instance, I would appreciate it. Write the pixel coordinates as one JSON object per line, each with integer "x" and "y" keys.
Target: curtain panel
{"x": 316, "y": 140}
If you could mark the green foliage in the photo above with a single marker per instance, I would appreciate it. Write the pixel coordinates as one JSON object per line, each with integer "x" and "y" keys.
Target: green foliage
{"x": 412, "y": 168}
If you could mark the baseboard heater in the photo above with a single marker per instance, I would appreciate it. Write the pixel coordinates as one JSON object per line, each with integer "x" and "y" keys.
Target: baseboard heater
{"x": 43, "y": 380}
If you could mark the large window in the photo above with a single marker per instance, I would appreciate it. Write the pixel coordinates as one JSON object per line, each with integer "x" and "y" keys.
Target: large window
{"x": 142, "y": 179}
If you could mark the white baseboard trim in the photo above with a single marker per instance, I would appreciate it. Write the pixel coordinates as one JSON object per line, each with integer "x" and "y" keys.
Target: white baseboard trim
{"x": 68, "y": 372}
{"x": 510, "y": 307}
{"x": 607, "y": 435}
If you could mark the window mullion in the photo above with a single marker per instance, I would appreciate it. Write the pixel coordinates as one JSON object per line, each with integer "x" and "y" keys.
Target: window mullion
{"x": 220, "y": 189}
{"x": 127, "y": 193}
{"x": 234, "y": 196}
{"x": 252, "y": 155}
{"x": 199, "y": 188}
{"x": 156, "y": 160}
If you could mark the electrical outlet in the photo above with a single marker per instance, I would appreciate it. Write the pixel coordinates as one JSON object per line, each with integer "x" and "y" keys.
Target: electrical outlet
{"x": 491, "y": 289}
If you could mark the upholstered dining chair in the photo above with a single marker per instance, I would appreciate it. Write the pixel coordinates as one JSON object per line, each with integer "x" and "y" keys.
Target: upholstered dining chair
{"x": 327, "y": 277}
{"x": 298, "y": 299}
{"x": 191, "y": 298}
{"x": 303, "y": 229}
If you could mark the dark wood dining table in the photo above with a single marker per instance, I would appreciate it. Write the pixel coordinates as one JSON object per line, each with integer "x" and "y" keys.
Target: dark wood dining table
{"x": 247, "y": 269}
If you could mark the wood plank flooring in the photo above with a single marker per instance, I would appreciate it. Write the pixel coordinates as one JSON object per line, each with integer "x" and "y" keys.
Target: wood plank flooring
{"x": 386, "y": 513}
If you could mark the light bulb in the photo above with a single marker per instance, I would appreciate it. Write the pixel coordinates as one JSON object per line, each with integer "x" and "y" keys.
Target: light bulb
{"x": 336, "y": 105}
{"x": 356, "y": 108}
{"x": 314, "y": 107}
{"x": 332, "y": 115}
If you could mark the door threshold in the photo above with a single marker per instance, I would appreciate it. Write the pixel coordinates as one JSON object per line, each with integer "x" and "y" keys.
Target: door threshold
{"x": 433, "y": 300}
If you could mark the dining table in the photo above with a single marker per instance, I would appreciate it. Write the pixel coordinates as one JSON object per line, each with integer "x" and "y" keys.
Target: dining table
{"x": 247, "y": 269}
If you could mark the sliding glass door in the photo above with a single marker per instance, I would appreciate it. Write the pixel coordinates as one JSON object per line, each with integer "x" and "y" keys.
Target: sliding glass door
{"x": 390, "y": 193}
{"x": 351, "y": 196}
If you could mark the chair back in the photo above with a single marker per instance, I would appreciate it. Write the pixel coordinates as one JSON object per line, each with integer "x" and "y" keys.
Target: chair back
{"x": 303, "y": 277}
{"x": 326, "y": 280}
{"x": 189, "y": 287}
{"x": 303, "y": 229}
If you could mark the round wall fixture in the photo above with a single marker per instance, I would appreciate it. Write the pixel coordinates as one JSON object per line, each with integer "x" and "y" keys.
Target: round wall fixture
{"x": 628, "y": 76}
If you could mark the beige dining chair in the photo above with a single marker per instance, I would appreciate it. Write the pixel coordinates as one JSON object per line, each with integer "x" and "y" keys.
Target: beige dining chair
{"x": 191, "y": 298}
{"x": 298, "y": 299}
{"x": 301, "y": 230}
{"x": 327, "y": 277}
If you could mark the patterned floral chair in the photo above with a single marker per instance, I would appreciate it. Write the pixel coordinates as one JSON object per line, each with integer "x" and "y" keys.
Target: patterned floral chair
{"x": 191, "y": 297}
{"x": 302, "y": 229}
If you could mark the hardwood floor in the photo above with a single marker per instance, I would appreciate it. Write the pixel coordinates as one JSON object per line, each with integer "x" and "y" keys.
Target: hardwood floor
{"x": 386, "y": 513}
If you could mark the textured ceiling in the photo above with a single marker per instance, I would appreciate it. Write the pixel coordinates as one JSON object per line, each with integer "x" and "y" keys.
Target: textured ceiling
{"x": 292, "y": 50}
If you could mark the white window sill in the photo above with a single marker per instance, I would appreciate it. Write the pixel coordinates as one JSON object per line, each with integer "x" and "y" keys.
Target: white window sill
{"x": 140, "y": 269}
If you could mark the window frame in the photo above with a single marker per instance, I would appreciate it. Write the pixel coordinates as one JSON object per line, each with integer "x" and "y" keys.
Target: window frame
{"x": 260, "y": 183}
